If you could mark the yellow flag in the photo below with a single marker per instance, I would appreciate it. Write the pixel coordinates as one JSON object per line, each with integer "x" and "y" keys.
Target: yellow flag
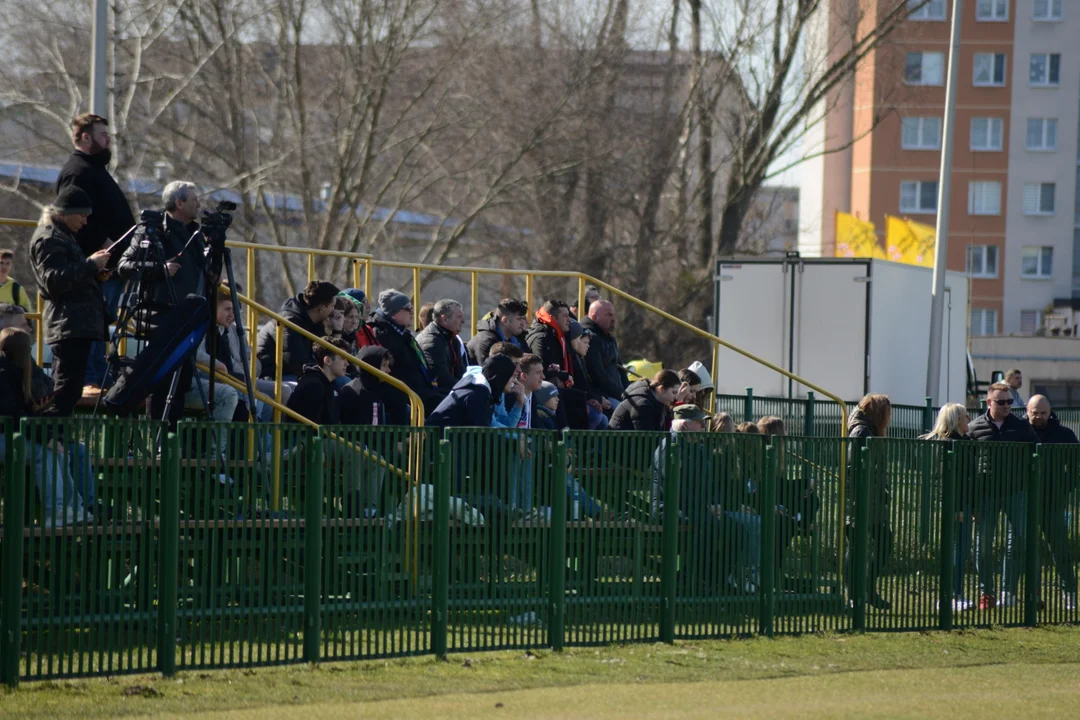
{"x": 910, "y": 242}
{"x": 856, "y": 238}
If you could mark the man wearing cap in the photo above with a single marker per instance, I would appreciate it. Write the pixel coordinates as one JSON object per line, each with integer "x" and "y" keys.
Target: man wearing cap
{"x": 68, "y": 282}
{"x": 391, "y": 322}
{"x": 603, "y": 361}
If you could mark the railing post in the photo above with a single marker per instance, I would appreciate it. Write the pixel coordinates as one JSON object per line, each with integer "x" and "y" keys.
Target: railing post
{"x": 945, "y": 549}
{"x": 767, "y": 591}
{"x": 557, "y": 583}
{"x": 669, "y": 557}
{"x": 440, "y": 596}
{"x": 169, "y": 556}
{"x": 748, "y": 406}
{"x": 808, "y": 420}
{"x": 313, "y": 512}
{"x": 11, "y": 583}
{"x": 1033, "y": 482}
{"x": 859, "y": 544}
{"x": 928, "y": 416}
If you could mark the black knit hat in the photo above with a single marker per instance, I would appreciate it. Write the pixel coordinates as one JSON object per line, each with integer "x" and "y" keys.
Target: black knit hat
{"x": 72, "y": 200}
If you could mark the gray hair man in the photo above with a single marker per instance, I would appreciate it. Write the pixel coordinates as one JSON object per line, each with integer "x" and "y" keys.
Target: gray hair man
{"x": 444, "y": 352}
{"x": 1057, "y": 485}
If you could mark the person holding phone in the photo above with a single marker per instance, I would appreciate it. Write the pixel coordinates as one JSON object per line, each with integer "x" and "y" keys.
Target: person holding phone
{"x": 75, "y": 314}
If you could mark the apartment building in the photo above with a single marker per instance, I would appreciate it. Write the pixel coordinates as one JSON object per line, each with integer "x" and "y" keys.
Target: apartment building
{"x": 1015, "y": 220}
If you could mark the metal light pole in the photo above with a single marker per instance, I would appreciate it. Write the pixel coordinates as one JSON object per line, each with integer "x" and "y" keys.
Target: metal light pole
{"x": 941, "y": 241}
{"x": 98, "y": 60}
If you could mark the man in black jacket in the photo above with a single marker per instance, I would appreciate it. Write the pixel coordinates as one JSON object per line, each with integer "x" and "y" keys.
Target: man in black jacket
{"x": 391, "y": 322}
{"x": 603, "y": 361}
{"x": 547, "y": 336}
{"x": 1057, "y": 484}
{"x": 309, "y": 310}
{"x": 440, "y": 345}
{"x": 999, "y": 489}
{"x": 67, "y": 280}
{"x": 183, "y": 274}
{"x": 88, "y": 170}
{"x": 505, "y": 324}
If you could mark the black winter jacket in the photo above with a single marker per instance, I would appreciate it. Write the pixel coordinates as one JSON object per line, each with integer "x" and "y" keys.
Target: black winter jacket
{"x": 67, "y": 281}
{"x": 604, "y": 363}
{"x": 487, "y": 334}
{"x": 544, "y": 341}
{"x": 298, "y": 351}
{"x": 367, "y": 400}
{"x": 640, "y": 410}
{"x": 994, "y": 479}
{"x": 188, "y": 280}
{"x": 111, "y": 216}
{"x": 1058, "y": 484}
{"x": 13, "y": 404}
{"x": 316, "y": 398}
{"x": 469, "y": 404}
{"x": 859, "y": 429}
{"x": 409, "y": 365}
{"x": 443, "y": 355}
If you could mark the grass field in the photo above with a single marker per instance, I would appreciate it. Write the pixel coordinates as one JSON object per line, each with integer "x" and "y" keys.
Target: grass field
{"x": 1002, "y": 673}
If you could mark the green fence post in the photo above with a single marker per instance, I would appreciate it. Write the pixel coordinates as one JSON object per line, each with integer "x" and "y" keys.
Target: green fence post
{"x": 861, "y": 533}
{"x": 1033, "y": 483}
{"x": 748, "y": 406}
{"x": 669, "y": 558}
{"x": 945, "y": 550}
{"x": 808, "y": 418}
{"x": 11, "y": 588}
{"x": 767, "y": 591}
{"x": 169, "y": 556}
{"x": 440, "y": 569}
{"x": 928, "y": 416}
{"x": 557, "y": 584}
{"x": 313, "y": 513}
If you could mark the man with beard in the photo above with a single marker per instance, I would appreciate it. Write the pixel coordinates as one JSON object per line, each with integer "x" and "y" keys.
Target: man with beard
{"x": 88, "y": 170}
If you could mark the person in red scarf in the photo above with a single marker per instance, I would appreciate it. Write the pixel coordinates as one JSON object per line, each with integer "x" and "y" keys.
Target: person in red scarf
{"x": 547, "y": 337}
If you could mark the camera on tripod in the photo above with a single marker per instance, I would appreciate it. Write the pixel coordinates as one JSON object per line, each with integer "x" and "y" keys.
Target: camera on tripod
{"x": 215, "y": 225}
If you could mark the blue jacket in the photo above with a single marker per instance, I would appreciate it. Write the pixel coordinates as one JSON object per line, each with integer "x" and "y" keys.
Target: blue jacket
{"x": 468, "y": 404}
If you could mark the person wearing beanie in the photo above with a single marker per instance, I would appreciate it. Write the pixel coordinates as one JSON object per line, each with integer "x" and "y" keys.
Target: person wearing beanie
{"x": 391, "y": 324}
{"x": 75, "y": 314}
{"x": 365, "y": 336}
{"x": 546, "y": 405}
{"x": 584, "y": 405}
{"x": 471, "y": 403}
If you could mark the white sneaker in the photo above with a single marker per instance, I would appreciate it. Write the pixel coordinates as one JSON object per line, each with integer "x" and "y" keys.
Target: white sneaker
{"x": 1070, "y": 601}
{"x": 1007, "y": 599}
{"x": 960, "y": 604}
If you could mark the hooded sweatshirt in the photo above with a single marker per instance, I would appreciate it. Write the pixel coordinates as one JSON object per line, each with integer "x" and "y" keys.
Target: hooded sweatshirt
{"x": 640, "y": 410}
{"x": 471, "y": 402}
{"x": 364, "y": 399}
{"x": 316, "y": 398}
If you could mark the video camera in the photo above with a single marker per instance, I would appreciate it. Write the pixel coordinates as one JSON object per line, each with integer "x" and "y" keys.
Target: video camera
{"x": 215, "y": 225}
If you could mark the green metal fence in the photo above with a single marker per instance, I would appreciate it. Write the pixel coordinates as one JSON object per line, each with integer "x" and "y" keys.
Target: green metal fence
{"x": 239, "y": 545}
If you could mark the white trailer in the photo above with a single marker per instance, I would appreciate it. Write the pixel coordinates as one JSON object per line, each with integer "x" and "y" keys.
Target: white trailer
{"x": 851, "y": 326}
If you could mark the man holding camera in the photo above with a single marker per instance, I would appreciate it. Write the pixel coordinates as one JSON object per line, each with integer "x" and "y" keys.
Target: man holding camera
{"x": 181, "y": 264}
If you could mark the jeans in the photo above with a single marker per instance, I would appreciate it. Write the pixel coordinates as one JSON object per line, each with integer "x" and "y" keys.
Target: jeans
{"x": 961, "y": 550}
{"x": 521, "y": 482}
{"x": 60, "y": 502}
{"x": 81, "y": 473}
{"x": 1014, "y": 506}
{"x": 1056, "y": 530}
{"x": 97, "y": 362}
{"x": 597, "y": 419}
{"x": 746, "y": 533}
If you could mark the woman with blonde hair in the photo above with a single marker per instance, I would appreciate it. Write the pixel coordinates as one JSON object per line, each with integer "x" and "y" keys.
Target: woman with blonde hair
{"x": 952, "y": 424}
{"x": 870, "y": 419}
{"x": 722, "y": 423}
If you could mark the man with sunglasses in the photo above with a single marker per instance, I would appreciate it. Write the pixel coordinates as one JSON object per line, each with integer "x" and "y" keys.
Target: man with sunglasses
{"x": 997, "y": 490}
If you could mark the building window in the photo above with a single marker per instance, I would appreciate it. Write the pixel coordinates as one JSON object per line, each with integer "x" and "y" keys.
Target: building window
{"x": 918, "y": 196}
{"x": 992, "y": 10}
{"x": 933, "y": 10}
{"x": 989, "y": 70}
{"x": 1039, "y": 198}
{"x": 921, "y": 133}
{"x": 984, "y": 198}
{"x": 986, "y": 133}
{"x": 1042, "y": 134}
{"x": 924, "y": 68}
{"x": 1037, "y": 262}
{"x": 982, "y": 261}
{"x": 983, "y": 321}
{"x": 1047, "y": 10}
{"x": 1030, "y": 321}
{"x": 1045, "y": 70}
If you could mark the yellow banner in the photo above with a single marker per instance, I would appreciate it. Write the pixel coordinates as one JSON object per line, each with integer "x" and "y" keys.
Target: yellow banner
{"x": 910, "y": 242}
{"x": 856, "y": 238}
